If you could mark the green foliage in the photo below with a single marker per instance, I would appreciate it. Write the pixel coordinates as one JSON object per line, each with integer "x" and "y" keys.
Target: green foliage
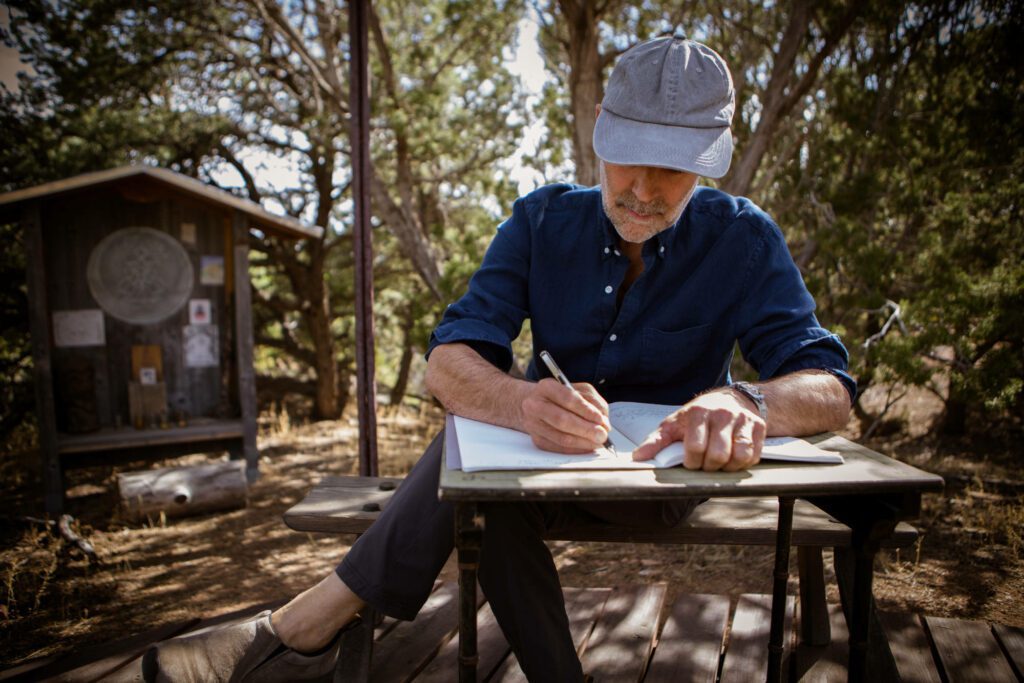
{"x": 914, "y": 170}
{"x": 206, "y": 87}
{"x": 897, "y": 177}
{"x": 95, "y": 91}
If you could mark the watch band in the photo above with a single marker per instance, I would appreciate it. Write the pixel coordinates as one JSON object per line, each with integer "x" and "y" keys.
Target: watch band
{"x": 755, "y": 395}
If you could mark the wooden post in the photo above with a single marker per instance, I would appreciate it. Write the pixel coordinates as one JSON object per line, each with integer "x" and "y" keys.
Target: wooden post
{"x": 359, "y": 133}
{"x": 815, "y": 628}
{"x": 39, "y": 325}
{"x": 244, "y": 343}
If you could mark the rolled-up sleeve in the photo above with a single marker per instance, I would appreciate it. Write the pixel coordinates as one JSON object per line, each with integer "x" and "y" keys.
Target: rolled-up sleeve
{"x": 777, "y": 330}
{"x": 490, "y": 315}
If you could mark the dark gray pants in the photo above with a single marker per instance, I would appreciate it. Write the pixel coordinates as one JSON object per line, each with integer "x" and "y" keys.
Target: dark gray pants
{"x": 394, "y": 564}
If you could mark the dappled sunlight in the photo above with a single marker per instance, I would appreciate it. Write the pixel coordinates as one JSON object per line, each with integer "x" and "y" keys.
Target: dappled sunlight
{"x": 165, "y": 571}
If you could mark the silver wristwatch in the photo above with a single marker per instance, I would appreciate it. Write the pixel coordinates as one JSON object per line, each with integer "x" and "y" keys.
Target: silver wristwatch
{"x": 754, "y": 394}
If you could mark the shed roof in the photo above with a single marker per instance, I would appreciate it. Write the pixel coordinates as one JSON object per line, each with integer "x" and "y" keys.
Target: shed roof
{"x": 260, "y": 217}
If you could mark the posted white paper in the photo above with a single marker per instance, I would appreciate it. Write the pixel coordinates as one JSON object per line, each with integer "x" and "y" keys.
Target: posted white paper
{"x": 78, "y": 328}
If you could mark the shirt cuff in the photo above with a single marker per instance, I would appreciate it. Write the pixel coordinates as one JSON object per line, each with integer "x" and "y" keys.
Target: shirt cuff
{"x": 476, "y": 337}
{"x": 819, "y": 361}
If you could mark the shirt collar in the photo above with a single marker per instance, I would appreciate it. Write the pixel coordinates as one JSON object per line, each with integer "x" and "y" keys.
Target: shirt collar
{"x": 662, "y": 241}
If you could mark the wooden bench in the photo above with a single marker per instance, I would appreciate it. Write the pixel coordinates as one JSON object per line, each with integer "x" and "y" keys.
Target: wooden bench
{"x": 349, "y": 505}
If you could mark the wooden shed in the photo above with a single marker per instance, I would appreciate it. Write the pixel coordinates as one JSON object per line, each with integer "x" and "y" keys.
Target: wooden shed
{"x": 141, "y": 317}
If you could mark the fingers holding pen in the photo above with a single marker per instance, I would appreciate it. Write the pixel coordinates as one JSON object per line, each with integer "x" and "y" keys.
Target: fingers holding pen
{"x": 563, "y": 420}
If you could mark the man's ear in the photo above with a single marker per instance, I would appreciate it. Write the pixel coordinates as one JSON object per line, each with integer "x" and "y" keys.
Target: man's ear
{"x": 597, "y": 109}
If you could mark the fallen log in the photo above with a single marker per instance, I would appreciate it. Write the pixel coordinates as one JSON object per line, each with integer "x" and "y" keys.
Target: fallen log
{"x": 183, "y": 491}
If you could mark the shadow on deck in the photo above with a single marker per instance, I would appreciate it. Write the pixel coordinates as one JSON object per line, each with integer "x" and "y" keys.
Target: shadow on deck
{"x": 622, "y": 634}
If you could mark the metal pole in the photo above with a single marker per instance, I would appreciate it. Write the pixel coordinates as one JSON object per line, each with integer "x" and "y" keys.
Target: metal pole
{"x": 359, "y": 132}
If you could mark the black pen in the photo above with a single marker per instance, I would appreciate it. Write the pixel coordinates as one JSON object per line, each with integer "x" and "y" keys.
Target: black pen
{"x": 560, "y": 376}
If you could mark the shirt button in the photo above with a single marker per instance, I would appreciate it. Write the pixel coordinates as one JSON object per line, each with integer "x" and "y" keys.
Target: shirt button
{"x": 608, "y": 289}
{"x": 606, "y": 250}
{"x": 661, "y": 249}
{"x": 617, "y": 253}
{"x": 613, "y": 337}
{"x": 601, "y": 381}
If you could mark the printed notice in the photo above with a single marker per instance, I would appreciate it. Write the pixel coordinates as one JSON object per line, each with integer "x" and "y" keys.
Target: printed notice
{"x": 78, "y": 328}
{"x": 199, "y": 312}
{"x": 211, "y": 270}
{"x": 200, "y": 346}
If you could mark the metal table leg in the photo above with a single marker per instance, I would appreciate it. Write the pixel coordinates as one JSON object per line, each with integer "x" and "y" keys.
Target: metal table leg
{"x": 776, "y": 639}
{"x": 469, "y": 524}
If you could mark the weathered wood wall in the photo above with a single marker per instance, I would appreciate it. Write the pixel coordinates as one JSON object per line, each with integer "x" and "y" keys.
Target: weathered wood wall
{"x": 72, "y": 226}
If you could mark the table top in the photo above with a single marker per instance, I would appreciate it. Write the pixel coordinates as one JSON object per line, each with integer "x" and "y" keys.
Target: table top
{"x": 864, "y": 472}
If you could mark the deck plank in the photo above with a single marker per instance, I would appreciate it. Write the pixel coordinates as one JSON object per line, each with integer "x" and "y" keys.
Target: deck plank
{"x": 614, "y": 632}
{"x": 491, "y": 647}
{"x": 583, "y": 607}
{"x": 1012, "y": 640}
{"x": 825, "y": 663}
{"x": 910, "y": 647}
{"x": 410, "y": 645}
{"x": 690, "y": 645}
{"x": 968, "y": 652}
{"x": 746, "y": 654}
{"x": 120, "y": 660}
{"x": 623, "y": 637}
{"x": 96, "y": 661}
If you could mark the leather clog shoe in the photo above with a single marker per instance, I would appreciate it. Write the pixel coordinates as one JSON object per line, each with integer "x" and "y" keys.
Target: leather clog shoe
{"x": 245, "y": 651}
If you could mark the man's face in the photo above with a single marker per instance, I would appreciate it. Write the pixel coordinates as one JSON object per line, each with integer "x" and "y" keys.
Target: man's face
{"x": 641, "y": 201}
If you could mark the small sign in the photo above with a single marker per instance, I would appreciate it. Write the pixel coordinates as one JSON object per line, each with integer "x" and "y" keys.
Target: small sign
{"x": 211, "y": 270}
{"x": 147, "y": 376}
{"x": 78, "y": 328}
{"x": 199, "y": 312}
{"x": 200, "y": 346}
{"x": 188, "y": 233}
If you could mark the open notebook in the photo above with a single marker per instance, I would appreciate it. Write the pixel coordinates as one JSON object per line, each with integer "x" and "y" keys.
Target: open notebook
{"x": 485, "y": 446}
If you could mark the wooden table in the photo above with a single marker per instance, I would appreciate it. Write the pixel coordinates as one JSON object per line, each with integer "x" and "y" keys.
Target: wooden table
{"x": 869, "y": 492}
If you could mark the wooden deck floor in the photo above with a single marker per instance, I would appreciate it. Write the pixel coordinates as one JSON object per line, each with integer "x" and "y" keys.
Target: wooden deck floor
{"x": 623, "y": 634}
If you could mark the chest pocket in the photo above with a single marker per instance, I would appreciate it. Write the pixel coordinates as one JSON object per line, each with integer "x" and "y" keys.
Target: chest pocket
{"x": 667, "y": 354}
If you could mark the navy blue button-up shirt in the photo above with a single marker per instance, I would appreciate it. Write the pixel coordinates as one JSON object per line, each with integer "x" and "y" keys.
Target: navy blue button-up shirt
{"x": 721, "y": 274}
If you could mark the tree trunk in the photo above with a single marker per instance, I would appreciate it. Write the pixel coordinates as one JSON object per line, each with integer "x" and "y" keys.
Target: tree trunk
{"x": 325, "y": 405}
{"x": 405, "y": 364}
{"x": 586, "y": 85}
{"x": 954, "y": 418}
{"x": 785, "y": 89}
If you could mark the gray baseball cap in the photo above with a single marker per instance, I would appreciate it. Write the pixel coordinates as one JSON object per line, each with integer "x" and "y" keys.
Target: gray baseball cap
{"x": 669, "y": 103}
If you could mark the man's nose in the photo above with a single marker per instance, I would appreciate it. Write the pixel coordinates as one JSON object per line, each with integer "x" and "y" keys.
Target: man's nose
{"x": 644, "y": 186}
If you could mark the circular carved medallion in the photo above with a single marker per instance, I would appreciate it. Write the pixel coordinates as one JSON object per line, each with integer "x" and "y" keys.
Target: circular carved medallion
{"x": 140, "y": 275}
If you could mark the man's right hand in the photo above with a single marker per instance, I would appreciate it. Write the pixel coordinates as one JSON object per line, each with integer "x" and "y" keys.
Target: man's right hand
{"x": 564, "y": 421}
{"x": 556, "y": 418}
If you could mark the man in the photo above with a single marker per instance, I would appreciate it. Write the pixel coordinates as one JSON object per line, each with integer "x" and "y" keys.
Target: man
{"x": 640, "y": 289}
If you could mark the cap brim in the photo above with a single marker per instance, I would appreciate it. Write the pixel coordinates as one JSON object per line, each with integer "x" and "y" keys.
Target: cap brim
{"x": 704, "y": 151}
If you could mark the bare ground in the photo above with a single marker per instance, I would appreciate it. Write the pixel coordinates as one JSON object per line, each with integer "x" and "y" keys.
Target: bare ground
{"x": 968, "y": 564}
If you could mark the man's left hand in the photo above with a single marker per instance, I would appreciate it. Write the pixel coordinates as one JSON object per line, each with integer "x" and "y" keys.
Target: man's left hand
{"x": 719, "y": 431}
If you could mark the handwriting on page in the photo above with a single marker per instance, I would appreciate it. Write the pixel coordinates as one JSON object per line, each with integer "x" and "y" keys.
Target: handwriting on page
{"x": 637, "y": 420}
